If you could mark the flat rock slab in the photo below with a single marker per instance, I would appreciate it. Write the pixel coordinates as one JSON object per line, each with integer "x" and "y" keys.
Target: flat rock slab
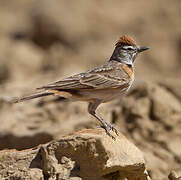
{"x": 88, "y": 154}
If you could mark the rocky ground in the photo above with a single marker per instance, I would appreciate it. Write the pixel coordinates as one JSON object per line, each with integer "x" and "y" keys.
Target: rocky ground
{"x": 46, "y": 40}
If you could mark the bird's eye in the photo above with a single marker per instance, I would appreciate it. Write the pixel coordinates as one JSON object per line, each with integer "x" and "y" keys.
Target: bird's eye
{"x": 128, "y": 48}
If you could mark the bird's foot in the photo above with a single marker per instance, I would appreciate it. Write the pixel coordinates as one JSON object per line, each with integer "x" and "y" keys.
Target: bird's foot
{"x": 108, "y": 128}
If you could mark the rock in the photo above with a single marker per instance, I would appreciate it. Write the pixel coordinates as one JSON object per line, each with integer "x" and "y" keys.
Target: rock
{"x": 4, "y": 71}
{"x": 175, "y": 175}
{"x": 15, "y": 165}
{"x": 88, "y": 154}
{"x": 151, "y": 114}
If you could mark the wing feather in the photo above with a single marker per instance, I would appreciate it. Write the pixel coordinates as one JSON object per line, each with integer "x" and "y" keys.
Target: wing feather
{"x": 104, "y": 76}
{"x": 100, "y": 81}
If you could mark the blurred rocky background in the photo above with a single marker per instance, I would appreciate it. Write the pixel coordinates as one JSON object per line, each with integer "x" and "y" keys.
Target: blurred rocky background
{"x": 43, "y": 41}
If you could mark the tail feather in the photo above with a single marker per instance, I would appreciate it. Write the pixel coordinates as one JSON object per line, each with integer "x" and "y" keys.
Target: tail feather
{"x": 31, "y": 96}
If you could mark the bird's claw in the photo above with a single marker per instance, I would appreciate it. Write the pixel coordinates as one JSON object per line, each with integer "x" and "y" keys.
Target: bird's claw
{"x": 108, "y": 128}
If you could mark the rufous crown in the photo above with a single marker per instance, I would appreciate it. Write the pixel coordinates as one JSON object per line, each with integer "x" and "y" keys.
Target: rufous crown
{"x": 125, "y": 40}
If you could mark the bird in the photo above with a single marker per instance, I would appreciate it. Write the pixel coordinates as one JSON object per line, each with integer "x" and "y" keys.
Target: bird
{"x": 98, "y": 85}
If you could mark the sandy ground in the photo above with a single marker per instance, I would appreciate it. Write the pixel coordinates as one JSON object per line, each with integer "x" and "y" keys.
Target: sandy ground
{"x": 47, "y": 40}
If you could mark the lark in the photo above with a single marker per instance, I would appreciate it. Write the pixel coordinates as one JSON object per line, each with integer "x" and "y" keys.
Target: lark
{"x": 101, "y": 84}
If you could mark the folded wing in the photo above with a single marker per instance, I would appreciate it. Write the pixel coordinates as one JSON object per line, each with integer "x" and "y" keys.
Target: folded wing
{"x": 98, "y": 78}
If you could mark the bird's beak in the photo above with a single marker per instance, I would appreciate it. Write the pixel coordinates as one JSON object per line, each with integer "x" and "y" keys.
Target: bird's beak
{"x": 143, "y": 48}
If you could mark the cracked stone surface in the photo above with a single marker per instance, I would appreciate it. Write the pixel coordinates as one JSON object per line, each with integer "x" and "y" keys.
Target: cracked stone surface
{"x": 88, "y": 154}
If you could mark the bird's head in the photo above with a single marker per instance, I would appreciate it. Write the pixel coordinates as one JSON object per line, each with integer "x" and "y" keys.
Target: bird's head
{"x": 126, "y": 50}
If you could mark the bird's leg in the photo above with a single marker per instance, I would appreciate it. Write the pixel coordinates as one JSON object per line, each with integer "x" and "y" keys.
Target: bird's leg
{"x": 108, "y": 127}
